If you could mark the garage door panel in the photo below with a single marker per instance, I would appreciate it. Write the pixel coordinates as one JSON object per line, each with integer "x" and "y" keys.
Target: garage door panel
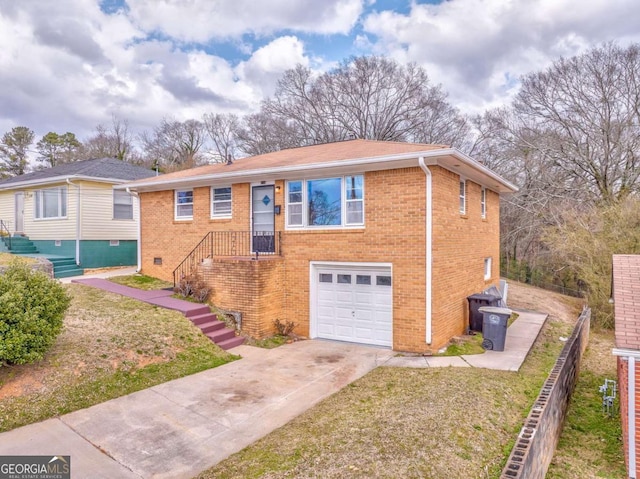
{"x": 355, "y": 306}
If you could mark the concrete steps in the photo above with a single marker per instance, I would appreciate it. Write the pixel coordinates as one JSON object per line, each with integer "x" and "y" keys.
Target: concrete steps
{"x": 65, "y": 267}
{"x": 214, "y": 329}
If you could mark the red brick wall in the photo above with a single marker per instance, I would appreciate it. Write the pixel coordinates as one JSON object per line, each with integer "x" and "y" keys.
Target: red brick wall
{"x": 623, "y": 389}
{"x": 395, "y": 212}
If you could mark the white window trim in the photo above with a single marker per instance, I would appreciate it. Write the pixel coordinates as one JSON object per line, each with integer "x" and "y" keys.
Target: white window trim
{"x": 462, "y": 197}
{"x": 113, "y": 207}
{"x": 483, "y": 203}
{"x": 213, "y": 202}
{"x": 487, "y": 268}
{"x": 37, "y": 215}
{"x": 343, "y": 207}
{"x": 175, "y": 205}
{"x": 301, "y": 203}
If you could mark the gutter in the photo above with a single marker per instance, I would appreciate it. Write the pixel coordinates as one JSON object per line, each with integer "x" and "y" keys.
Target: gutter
{"x": 139, "y": 230}
{"x": 428, "y": 249}
{"x": 59, "y": 179}
{"x": 631, "y": 357}
{"x": 77, "y": 220}
{"x": 281, "y": 170}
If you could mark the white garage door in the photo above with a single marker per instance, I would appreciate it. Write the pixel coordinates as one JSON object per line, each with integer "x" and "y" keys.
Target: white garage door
{"x": 354, "y": 304}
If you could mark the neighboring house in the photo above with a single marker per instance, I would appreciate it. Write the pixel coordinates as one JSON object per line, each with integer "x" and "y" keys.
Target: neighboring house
{"x": 626, "y": 299}
{"x": 365, "y": 241}
{"x": 72, "y": 211}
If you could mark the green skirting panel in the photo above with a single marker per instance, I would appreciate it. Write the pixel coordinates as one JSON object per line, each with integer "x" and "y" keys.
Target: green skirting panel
{"x": 93, "y": 254}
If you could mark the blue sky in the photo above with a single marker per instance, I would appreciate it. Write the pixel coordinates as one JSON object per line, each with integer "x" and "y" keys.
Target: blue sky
{"x": 69, "y": 65}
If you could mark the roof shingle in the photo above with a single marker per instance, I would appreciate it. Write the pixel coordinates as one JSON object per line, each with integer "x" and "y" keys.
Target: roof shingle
{"x": 111, "y": 168}
{"x": 626, "y": 297}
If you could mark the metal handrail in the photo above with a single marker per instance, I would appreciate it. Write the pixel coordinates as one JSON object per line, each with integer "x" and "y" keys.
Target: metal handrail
{"x": 229, "y": 244}
{"x": 4, "y": 230}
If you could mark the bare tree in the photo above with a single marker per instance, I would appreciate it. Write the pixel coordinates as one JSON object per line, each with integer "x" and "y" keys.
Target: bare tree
{"x": 223, "y": 132}
{"x": 365, "y": 97}
{"x": 13, "y": 151}
{"x": 583, "y": 117}
{"x": 261, "y": 133}
{"x": 173, "y": 144}
{"x": 115, "y": 141}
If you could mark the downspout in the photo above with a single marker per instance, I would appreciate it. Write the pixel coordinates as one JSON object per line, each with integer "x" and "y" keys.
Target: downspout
{"x": 139, "y": 229}
{"x": 632, "y": 416}
{"x": 77, "y": 220}
{"x": 428, "y": 247}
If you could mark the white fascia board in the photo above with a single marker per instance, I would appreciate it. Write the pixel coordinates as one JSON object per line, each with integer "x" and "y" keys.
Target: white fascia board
{"x": 625, "y": 353}
{"x": 431, "y": 157}
{"x": 59, "y": 179}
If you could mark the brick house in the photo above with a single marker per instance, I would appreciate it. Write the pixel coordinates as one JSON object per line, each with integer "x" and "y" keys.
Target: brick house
{"x": 626, "y": 298}
{"x": 364, "y": 241}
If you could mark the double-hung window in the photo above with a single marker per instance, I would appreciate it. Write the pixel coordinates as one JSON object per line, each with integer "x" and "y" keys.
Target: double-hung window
{"x": 294, "y": 203}
{"x": 122, "y": 205}
{"x": 326, "y": 202}
{"x": 463, "y": 197}
{"x": 51, "y": 203}
{"x": 483, "y": 203}
{"x": 221, "y": 202}
{"x": 184, "y": 204}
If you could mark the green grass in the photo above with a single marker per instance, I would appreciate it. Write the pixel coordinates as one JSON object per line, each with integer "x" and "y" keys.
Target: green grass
{"x": 591, "y": 441}
{"x": 268, "y": 343}
{"x": 19, "y": 411}
{"x": 469, "y": 345}
{"x": 141, "y": 281}
{"x": 7, "y": 258}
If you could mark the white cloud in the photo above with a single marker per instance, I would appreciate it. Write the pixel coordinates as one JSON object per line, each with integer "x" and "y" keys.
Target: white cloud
{"x": 203, "y": 20}
{"x": 475, "y": 48}
{"x": 267, "y": 64}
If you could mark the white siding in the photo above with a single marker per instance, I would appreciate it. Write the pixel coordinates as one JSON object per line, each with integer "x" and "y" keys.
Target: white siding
{"x": 96, "y": 206}
{"x": 54, "y": 228}
{"x": 6, "y": 207}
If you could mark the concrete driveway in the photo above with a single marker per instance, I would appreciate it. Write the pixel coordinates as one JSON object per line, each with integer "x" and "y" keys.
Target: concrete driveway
{"x": 180, "y": 428}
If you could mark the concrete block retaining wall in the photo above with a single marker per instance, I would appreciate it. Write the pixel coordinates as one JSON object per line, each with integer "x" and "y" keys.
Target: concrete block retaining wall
{"x": 536, "y": 443}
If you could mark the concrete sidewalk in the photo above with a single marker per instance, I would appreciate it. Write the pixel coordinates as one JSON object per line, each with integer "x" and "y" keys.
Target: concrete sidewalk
{"x": 182, "y": 427}
{"x": 124, "y": 271}
{"x": 520, "y": 338}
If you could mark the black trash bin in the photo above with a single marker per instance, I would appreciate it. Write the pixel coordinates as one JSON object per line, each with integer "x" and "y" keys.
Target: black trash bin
{"x": 494, "y": 327}
{"x": 476, "y": 301}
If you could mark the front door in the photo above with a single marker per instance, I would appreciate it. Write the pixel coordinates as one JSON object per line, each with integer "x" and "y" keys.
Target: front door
{"x": 19, "y": 212}
{"x": 263, "y": 219}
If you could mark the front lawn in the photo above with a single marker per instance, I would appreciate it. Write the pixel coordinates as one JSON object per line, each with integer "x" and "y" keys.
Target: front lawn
{"x": 141, "y": 281}
{"x": 110, "y": 346}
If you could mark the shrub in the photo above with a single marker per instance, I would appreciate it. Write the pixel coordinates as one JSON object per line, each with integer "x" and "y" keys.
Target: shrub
{"x": 284, "y": 328}
{"x": 193, "y": 285}
{"x": 32, "y": 308}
